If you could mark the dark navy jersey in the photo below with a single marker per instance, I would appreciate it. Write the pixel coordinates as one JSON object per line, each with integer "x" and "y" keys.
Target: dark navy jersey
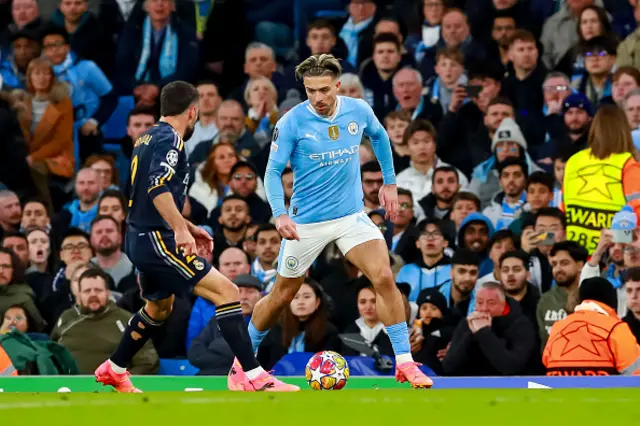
{"x": 158, "y": 165}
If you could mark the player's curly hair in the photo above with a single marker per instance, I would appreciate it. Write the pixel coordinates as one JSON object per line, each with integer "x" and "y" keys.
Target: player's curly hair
{"x": 319, "y": 66}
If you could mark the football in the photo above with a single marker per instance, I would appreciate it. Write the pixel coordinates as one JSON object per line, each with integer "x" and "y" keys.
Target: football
{"x": 327, "y": 370}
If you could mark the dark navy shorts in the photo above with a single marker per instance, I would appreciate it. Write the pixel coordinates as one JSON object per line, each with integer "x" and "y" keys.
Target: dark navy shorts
{"x": 162, "y": 269}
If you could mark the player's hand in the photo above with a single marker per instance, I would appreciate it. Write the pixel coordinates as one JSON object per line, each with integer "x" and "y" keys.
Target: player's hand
{"x": 202, "y": 238}
{"x": 388, "y": 196}
{"x": 287, "y": 228}
{"x": 185, "y": 242}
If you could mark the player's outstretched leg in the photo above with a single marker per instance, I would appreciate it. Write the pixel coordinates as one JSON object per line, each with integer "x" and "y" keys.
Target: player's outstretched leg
{"x": 140, "y": 328}
{"x": 217, "y": 288}
{"x": 372, "y": 258}
{"x": 265, "y": 315}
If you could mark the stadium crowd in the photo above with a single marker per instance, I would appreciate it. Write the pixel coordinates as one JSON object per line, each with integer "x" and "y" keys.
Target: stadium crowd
{"x": 513, "y": 124}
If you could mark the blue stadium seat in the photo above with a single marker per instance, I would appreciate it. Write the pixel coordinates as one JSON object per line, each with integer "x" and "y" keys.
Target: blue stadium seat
{"x": 176, "y": 367}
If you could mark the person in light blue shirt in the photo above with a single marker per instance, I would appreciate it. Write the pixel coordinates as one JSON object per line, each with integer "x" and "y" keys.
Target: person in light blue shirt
{"x": 321, "y": 138}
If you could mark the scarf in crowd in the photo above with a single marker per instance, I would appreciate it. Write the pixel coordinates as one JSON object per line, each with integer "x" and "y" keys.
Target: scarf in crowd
{"x": 430, "y": 37}
{"x": 509, "y": 213}
{"x": 264, "y": 276}
{"x": 297, "y": 344}
{"x": 349, "y": 33}
{"x": 168, "y": 55}
{"x": 369, "y": 334}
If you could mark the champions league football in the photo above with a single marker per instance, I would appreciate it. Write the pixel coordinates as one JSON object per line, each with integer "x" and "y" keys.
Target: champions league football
{"x": 327, "y": 370}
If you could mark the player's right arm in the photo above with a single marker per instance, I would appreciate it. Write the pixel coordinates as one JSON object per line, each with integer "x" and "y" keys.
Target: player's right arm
{"x": 282, "y": 145}
{"x": 160, "y": 174}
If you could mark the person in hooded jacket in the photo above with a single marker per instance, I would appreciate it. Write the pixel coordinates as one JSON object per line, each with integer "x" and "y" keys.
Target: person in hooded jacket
{"x": 475, "y": 232}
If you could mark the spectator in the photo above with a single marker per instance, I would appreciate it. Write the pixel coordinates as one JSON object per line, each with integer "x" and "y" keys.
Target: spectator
{"x": 14, "y": 318}
{"x": 24, "y": 48}
{"x": 112, "y": 203}
{"x": 503, "y": 28}
{"x": 420, "y": 138}
{"x": 539, "y": 194}
{"x": 445, "y": 186}
{"x": 514, "y": 277}
{"x": 211, "y": 183}
{"x": 596, "y": 82}
{"x": 206, "y": 128}
{"x": 45, "y": 114}
{"x": 87, "y": 35}
{"x": 35, "y": 215}
{"x": 249, "y": 243}
{"x": 625, "y": 80}
{"x": 507, "y": 205}
{"x": 260, "y": 96}
{"x": 549, "y": 227}
{"x": 495, "y": 339}
{"x": 84, "y": 209}
{"x": 13, "y": 289}
{"x": 508, "y": 142}
{"x": 395, "y": 123}
{"x": 371, "y": 183}
{"x": 304, "y": 327}
{"x": 525, "y": 75}
{"x": 232, "y": 263}
{"x": 25, "y": 15}
{"x": 407, "y": 89}
{"x": 403, "y": 242}
{"x": 17, "y": 242}
{"x": 92, "y": 94}
{"x": 357, "y": 32}
{"x": 267, "y": 250}
{"x": 631, "y": 106}
{"x": 244, "y": 182}
{"x": 462, "y": 205}
{"x": 567, "y": 259}
{"x": 139, "y": 120}
{"x": 432, "y": 12}
{"x": 474, "y": 233}
{"x": 145, "y": 64}
{"x": 209, "y": 351}
{"x": 610, "y": 145}
{"x": 459, "y": 291}
{"x": 287, "y": 186}
{"x": 578, "y": 115}
{"x": 233, "y": 221}
{"x": 449, "y": 77}
{"x": 632, "y": 293}
{"x": 368, "y": 325}
{"x": 351, "y": 86}
{"x": 39, "y": 246}
{"x": 231, "y": 119}
{"x": 501, "y": 242}
{"x": 628, "y": 51}
{"x": 106, "y": 240}
{"x": 377, "y": 75}
{"x": 105, "y": 167}
{"x": 10, "y": 212}
{"x": 555, "y": 89}
{"x": 91, "y": 329}
{"x": 473, "y": 125}
{"x": 602, "y": 343}
{"x": 432, "y": 268}
{"x": 559, "y": 33}
{"x": 114, "y": 16}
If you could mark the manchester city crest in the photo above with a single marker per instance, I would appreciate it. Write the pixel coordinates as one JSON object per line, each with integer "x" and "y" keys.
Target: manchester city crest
{"x": 353, "y": 128}
{"x": 291, "y": 262}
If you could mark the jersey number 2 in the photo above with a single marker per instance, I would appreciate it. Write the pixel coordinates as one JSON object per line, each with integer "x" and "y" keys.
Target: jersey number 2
{"x": 134, "y": 170}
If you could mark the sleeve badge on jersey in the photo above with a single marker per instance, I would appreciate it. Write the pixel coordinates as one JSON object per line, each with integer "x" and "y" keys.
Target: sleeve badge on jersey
{"x": 276, "y": 133}
{"x": 172, "y": 157}
{"x": 198, "y": 265}
{"x": 353, "y": 128}
{"x": 274, "y": 147}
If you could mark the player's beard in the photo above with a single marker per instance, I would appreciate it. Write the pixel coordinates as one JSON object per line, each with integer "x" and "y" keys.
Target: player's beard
{"x": 188, "y": 132}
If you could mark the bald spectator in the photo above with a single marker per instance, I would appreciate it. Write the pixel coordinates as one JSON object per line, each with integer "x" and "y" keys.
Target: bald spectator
{"x": 10, "y": 212}
{"x": 25, "y": 15}
{"x": 232, "y": 263}
{"x": 206, "y": 127}
{"x": 230, "y": 122}
{"x": 260, "y": 61}
{"x": 139, "y": 69}
{"x": 357, "y": 32}
{"x": 407, "y": 89}
{"x": 81, "y": 211}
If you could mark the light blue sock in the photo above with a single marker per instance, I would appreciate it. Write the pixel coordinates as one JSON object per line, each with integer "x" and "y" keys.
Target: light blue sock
{"x": 399, "y": 336}
{"x": 257, "y": 336}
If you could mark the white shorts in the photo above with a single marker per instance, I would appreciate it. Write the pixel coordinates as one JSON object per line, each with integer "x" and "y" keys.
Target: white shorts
{"x": 349, "y": 231}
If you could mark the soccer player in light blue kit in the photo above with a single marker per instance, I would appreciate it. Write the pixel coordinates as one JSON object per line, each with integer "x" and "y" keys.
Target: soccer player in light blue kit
{"x": 321, "y": 138}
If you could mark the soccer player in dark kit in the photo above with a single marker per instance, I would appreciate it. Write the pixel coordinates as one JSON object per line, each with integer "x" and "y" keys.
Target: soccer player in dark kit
{"x": 163, "y": 246}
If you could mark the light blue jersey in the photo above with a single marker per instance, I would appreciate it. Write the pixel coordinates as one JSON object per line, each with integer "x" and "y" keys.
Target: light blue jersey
{"x": 325, "y": 159}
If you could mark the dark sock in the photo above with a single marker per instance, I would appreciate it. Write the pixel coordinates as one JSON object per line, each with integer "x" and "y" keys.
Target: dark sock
{"x": 139, "y": 329}
{"x": 234, "y": 330}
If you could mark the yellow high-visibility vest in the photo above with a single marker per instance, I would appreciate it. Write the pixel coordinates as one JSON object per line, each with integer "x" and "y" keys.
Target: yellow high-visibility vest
{"x": 593, "y": 193}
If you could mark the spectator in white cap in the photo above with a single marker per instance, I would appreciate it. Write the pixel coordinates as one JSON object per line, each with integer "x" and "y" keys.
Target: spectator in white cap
{"x": 508, "y": 142}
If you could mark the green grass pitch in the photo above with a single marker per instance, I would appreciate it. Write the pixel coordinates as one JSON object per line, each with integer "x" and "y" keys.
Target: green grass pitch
{"x": 513, "y": 407}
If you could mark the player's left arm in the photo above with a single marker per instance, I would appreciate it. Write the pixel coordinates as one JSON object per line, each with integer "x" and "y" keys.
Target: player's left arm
{"x": 382, "y": 148}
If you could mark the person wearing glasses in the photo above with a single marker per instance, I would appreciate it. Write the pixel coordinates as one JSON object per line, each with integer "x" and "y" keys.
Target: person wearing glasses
{"x": 596, "y": 82}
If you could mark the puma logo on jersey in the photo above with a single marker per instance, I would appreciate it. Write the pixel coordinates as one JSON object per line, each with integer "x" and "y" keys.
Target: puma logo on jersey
{"x": 308, "y": 135}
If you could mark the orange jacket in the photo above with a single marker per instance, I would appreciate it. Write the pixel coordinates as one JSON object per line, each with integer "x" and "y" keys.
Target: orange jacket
{"x": 6, "y": 366}
{"x": 593, "y": 341}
